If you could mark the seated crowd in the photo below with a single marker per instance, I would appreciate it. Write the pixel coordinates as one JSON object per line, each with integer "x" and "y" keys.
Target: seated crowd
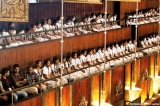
{"x": 74, "y": 66}
{"x": 144, "y": 17}
{"x": 52, "y": 29}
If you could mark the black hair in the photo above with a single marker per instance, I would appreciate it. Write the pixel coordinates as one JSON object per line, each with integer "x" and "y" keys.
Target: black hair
{"x": 68, "y": 56}
{"x": 29, "y": 68}
{"x": 73, "y": 54}
{"x": 27, "y": 29}
{"x": 45, "y": 62}
{"x": 37, "y": 23}
{"x": 89, "y": 50}
{"x": 48, "y": 19}
{"x": 37, "y": 63}
{"x": 43, "y": 21}
{"x": 93, "y": 20}
{"x": 10, "y": 23}
{"x": 58, "y": 18}
{"x": 55, "y": 59}
{"x": 83, "y": 51}
{"x": 32, "y": 25}
{"x": 4, "y": 71}
{"x": 15, "y": 65}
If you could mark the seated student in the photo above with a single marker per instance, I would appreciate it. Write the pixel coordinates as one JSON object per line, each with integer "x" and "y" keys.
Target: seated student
{"x": 57, "y": 69}
{"x": 99, "y": 19}
{"x": 32, "y": 78}
{"x": 155, "y": 40}
{"x": 68, "y": 31}
{"x": 48, "y": 26}
{"x": 8, "y": 86}
{"x": 77, "y": 64}
{"x": 91, "y": 61}
{"x": 58, "y": 26}
{"x": 11, "y": 24}
{"x": 75, "y": 29}
{"x": 92, "y": 16}
{"x": 85, "y": 29}
{"x": 48, "y": 73}
{"x": 38, "y": 71}
{"x": 96, "y": 59}
{"x": 41, "y": 36}
{"x": 71, "y": 68}
{"x": 96, "y": 27}
{"x": 66, "y": 70}
{"x": 19, "y": 81}
{"x": 3, "y": 42}
{"x": 4, "y": 98}
{"x": 25, "y": 39}
{"x": 33, "y": 36}
{"x": 44, "y": 24}
{"x": 83, "y": 58}
{"x": 11, "y": 40}
{"x": 144, "y": 43}
{"x": 73, "y": 18}
{"x": 100, "y": 58}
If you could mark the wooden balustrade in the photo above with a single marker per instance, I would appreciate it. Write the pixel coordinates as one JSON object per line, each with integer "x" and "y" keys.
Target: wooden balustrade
{"x": 27, "y": 55}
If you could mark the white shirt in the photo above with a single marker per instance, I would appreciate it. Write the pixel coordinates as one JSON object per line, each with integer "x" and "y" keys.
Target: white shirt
{"x": 47, "y": 71}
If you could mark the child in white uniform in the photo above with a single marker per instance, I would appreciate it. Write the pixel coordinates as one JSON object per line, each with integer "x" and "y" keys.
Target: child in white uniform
{"x": 48, "y": 73}
{"x": 57, "y": 69}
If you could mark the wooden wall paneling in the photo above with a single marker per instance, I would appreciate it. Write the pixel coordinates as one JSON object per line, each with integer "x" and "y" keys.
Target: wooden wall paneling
{"x": 117, "y": 75}
{"x": 129, "y": 7}
{"x": 95, "y": 90}
{"x": 144, "y": 93}
{"x": 128, "y": 70}
{"x": 151, "y": 73}
{"x": 81, "y": 89}
{"x": 144, "y": 84}
{"x": 51, "y": 99}
{"x": 32, "y": 102}
{"x": 66, "y": 96}
{"x": 146, "y": 29}
{"x": 2, "y": 58}
{"x": 137, "y": 74}
{"x": 152, "y": 65}
{"x": 107, "y": 86}
{"x": 27, "y": 55}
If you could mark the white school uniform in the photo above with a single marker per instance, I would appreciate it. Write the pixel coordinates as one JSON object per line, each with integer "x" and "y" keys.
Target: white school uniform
{"x": 49, "y": 27}
{"x": 100, "y": 57}
{"x": 10, "y": 38}
{"x": 90, "y": 59}
{"x": 69, "y": 29}
{"x": 81, "y": 29}
{"x": 76, "y": 62}
{"x": 47, "y": 71}
{"x": 55, "y": 68}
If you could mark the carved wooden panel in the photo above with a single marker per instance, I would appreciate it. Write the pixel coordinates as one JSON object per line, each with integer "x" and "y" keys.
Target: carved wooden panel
{"x": 14, "y": 10}
{"x": 117, "y": 76}
{"x": 144, "y": 66}
{"x": 81, "y": 89}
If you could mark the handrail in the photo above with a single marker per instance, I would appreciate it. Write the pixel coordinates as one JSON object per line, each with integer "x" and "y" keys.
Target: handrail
{"x": 17, "y": 89}
{"x": 71, "y": 27}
